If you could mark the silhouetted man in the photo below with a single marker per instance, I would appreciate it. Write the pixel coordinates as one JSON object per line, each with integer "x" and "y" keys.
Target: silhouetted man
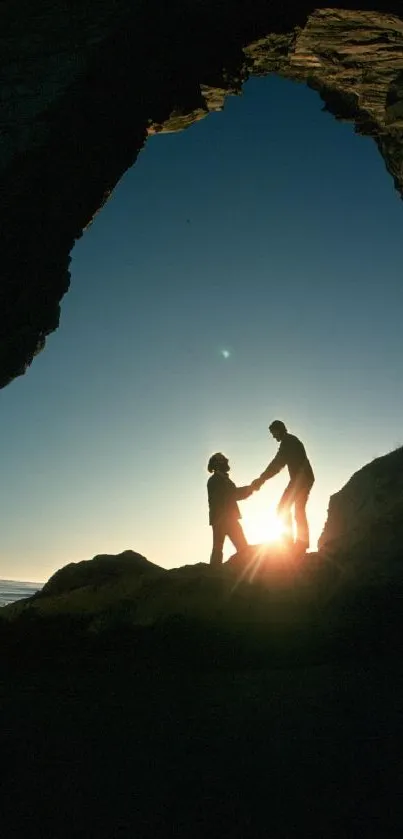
{"x": 292, "y": 454}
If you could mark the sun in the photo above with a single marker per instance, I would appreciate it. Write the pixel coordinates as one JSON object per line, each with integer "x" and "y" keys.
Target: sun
{"x": 262, "y": 527}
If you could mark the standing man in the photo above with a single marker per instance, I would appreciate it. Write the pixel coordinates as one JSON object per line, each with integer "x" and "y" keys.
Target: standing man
{"x": 292, "y": 454}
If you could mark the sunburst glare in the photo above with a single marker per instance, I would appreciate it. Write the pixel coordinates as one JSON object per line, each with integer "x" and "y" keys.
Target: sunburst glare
{"x": 262, "y": 525}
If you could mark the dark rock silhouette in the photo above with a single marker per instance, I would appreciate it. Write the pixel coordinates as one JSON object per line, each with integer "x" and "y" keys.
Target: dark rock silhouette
{"x": 261, "y": 697}
{"x": 364, "y": 527}
{"x": 102, "y": 570}
{"x": 82, "y": 91}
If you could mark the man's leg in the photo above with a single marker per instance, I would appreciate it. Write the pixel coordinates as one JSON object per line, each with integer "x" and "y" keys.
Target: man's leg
{"x": 301, "y": 519}
{"x": 218, "y": 544}
{"x": 237, "y": 536}
{"x": 284, "y": 512}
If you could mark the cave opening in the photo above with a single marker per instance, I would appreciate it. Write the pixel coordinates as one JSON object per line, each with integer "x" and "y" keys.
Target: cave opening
{"x": 246, "y": 268}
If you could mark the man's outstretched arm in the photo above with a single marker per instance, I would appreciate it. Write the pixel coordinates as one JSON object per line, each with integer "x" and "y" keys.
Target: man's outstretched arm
{"x": 276, "y": 465}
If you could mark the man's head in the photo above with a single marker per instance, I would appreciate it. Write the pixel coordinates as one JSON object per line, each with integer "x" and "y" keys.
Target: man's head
{"x": 278, "y": 430}
{"x": 218, "y": 463}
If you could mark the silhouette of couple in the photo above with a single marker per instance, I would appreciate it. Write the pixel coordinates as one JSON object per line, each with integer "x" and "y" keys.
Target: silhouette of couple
{"x": 223, "y": 495}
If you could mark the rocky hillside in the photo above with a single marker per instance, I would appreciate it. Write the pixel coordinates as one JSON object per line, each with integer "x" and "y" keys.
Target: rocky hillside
{"x": 84, "y": 84}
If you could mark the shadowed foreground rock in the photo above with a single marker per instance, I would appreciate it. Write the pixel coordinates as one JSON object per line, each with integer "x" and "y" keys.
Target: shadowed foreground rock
{"x": 202, "y": 704}
{"x": 85, "y": 84}
{"x": 259, "y": 699}
{"x": 105, "y": 569}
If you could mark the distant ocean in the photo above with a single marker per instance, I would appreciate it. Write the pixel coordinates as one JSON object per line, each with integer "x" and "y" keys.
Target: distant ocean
{"x": 12, "y": 590}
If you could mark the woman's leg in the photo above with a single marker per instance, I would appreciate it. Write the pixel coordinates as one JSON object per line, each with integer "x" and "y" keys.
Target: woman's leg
{"x": 218, "y": 544}
{"x": 237, "y": 536}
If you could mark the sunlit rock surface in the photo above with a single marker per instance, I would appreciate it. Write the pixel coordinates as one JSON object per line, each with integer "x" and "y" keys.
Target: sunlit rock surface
{"x": 83, "y": 86}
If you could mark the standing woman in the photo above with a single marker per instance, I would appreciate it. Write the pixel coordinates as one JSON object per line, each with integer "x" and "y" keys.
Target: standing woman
{"x": 224, "y": 511}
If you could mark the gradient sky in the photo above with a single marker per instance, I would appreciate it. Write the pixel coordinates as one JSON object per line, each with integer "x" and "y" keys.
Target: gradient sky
{"x": 270, "y": 231}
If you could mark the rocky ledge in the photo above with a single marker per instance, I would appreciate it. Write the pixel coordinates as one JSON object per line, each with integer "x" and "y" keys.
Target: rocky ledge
{"x": 83, "y": 85}
{"x": 346, "y": 595}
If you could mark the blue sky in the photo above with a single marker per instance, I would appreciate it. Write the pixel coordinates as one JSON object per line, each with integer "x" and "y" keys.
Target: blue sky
{"x": 269, "y": 230}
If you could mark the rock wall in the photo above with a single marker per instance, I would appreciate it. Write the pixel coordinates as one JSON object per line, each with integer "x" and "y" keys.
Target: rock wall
{"x": 365, "y": 518}
{"x": 83, "y": 85}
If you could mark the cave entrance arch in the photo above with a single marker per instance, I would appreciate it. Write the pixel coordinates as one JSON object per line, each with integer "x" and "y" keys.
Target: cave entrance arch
{"x": 77, "y": 114}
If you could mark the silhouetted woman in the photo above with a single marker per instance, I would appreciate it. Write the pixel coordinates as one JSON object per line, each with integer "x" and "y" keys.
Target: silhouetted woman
{"x": 224, "y": 511}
